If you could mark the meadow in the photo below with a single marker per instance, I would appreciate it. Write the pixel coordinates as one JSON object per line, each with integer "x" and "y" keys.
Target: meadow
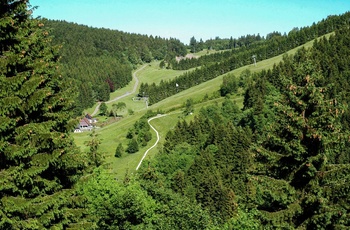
{"x": 203, "y": 95}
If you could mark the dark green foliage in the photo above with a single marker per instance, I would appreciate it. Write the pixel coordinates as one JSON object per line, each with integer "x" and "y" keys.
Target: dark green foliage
{"x": 229, "y": 85}
{"x": 232, "y": 43}
{"x": 242, "y": 49}
{"x": 100, "y": 60}
{"x": 195, "y": 156}
{"x": 103, "y": 109}
{"x": 141, "y": 125}
{"x": 210, "y": 191}
{"x": 94, "y": 155}
{"x": 174, "y": 165}
{"x": 282, "y": 162}
{"x": 162, "y": 64}
{"x": 196, "y": 46}
{"x": 306, "y": 138}
{"x": 144, "y": 137}
{"x": 244, "y": 78}
{"x": 231, "y": 111}
{"x": 39, "y": 162}
{"x": 189, "y": 109}
{"x": 220, "y": 63}
{"x": 133, "y": 146}
{"x": 141, "y": 131}
{"x": 246, "y": 220}
{"x": 176, "y": 211}
{"x": 112, "y": 205}
{"x": 119, "y": 151}
{"x": 131, "y": 112}
{"x": 130, "y": 134}
{"x": 120, "y": 106}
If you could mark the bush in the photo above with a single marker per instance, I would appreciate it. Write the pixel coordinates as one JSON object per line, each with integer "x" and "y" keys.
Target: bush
{"x": 133, "y": 146}
{"x": 103, "y": 109}
{"x": 229, "y": 85}
{"x": 119, "y": 151}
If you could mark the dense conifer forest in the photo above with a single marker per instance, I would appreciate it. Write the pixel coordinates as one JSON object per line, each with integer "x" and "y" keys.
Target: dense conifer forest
{"x": 217, "y": 64}
{"x": 100, "y": 61}
{"x": 262, "y": 48}
{"x": 282, "y": 161}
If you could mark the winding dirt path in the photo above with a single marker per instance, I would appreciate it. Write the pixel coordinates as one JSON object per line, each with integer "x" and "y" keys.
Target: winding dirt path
{"x": 155, "y": 144}
{"x": 125, "y": 94}
{"x": 96, "y": 109}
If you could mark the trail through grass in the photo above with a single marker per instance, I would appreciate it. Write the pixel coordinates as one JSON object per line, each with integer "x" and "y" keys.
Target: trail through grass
{"x": 115, "y": 133}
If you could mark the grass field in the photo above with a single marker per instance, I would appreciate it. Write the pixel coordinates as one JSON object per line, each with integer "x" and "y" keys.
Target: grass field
{"x": 153, "y": 74}
{"x": 115, "y": 133}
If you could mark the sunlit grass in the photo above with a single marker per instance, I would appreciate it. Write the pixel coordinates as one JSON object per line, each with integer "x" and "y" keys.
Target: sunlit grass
{"x": 154, "y": 74}
{"x": 115, "y": 133}
{"x": 208, "y": 52}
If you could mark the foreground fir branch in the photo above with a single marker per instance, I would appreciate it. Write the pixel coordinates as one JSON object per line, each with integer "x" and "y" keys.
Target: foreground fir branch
{"x": 39, "y": 162}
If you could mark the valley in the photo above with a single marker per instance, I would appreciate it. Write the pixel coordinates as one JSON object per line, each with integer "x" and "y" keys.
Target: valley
{"x": 251, "y": 132}
{"x": 115, "y": 133}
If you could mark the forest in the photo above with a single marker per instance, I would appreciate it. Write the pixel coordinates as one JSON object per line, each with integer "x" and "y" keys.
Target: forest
{"x": 213, "y": 65}
{"x": 262, "y": 48}
{"x": 280, "y": 161}
{"x": 100, "y": 61}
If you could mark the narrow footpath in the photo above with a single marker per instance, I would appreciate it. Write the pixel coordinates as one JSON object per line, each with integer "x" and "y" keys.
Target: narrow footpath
{"x": 155, "y": 144}
{"x": 124, "y": 95}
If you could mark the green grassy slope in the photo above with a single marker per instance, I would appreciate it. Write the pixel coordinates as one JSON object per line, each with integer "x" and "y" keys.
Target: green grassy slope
{"x": 115, "y": 133}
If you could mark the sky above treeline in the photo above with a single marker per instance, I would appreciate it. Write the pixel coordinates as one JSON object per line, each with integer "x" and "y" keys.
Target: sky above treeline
{"x": 183, "y": 19}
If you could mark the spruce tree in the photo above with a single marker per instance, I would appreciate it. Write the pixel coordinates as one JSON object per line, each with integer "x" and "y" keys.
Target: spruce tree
{"x": 119, "y": 151}
{"x": 39, "y": 163}
{"x": 133, "y": 146}
{"x": 299, "y": 152}
{"x": 103, "y": 109}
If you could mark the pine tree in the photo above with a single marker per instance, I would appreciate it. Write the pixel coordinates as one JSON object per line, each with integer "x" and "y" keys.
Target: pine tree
{"x": 103, "y": 109}
{"x": 299, "y": 151}
{"x": 188, "y": 107}
{"x": 39, "y": 162}
{"x": 193, "y": 44}
{"x": 119, "y": 151}
{"x": 133, "y": 146}
{"x": 94, "y": 154}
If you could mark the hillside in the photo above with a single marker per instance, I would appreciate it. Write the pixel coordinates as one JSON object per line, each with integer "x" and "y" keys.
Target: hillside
{"x": 243, "y": 153}
{"x": 152, "y": 73}
{"x": 100, "y": 61}
{"x": 252, "y": 137}
{"x": 280, "y": 162}
{"x": 211, "y": 66}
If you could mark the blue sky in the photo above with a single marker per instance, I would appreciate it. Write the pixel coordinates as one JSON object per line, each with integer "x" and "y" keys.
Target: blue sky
{"x": 183, "y": 19}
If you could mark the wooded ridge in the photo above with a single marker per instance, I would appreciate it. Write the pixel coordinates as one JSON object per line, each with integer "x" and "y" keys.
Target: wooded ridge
{"x": 278, "y": 160}
{"x": 100, "y": 61}
{"x": 220, "y": 63}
